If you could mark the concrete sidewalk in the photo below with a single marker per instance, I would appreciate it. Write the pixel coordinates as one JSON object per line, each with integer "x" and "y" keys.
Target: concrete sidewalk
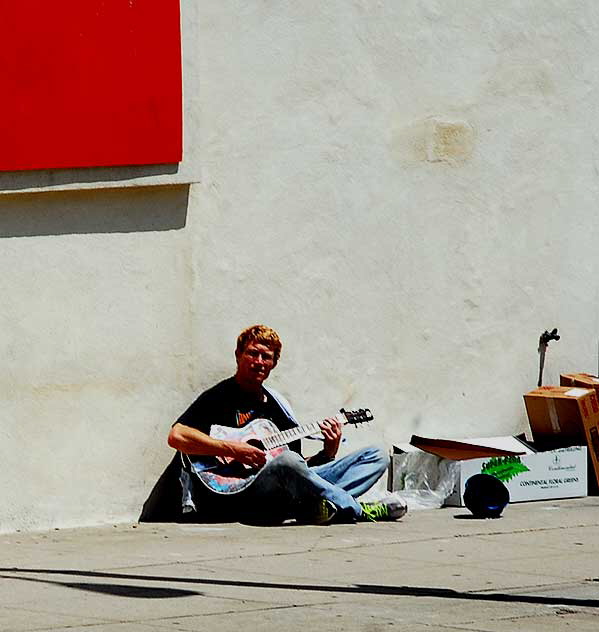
{"x": 536, "y": 567}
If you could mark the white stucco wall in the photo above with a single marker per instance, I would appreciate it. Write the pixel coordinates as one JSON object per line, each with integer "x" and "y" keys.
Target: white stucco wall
{"x": 406, "y": 191}
{"x": 96, "y": 323}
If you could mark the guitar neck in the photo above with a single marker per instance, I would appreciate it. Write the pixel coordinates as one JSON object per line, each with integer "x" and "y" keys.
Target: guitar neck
{"x": 293, "y": 434}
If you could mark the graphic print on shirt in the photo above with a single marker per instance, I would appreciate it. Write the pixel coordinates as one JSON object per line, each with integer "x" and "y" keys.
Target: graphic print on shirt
{"x": 243, "y": 418}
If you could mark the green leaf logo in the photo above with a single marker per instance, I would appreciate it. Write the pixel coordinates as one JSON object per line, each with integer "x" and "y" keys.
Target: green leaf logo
{"x": 504, "y": 467}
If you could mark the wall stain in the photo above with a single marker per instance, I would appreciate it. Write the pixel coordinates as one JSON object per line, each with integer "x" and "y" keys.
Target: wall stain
{"x": 449, "y": 141}
{"x": 522, "y": 80}
{"x": 434, "y": 140}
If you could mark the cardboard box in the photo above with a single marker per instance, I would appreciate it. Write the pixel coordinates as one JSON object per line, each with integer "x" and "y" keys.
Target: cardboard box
{"x": 528, "y": 475}
{"x": 557, "y": 415}
{"x": 584, "y": 380}
{"x": 540, "y": 476}
{"x": 562, "y": 416}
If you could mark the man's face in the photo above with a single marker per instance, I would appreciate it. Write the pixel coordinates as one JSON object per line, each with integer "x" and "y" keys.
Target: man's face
{"x": 254, "y": 364}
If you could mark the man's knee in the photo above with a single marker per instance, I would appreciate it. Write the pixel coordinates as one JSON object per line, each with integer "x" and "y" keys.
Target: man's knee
{"x": 285, "y": 473}
{"x": 287, "y": 461}
{"x": 377, "y": 456}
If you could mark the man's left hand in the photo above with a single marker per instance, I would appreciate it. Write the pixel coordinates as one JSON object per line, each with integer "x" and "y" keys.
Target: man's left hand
{"x": 331, "y": 431}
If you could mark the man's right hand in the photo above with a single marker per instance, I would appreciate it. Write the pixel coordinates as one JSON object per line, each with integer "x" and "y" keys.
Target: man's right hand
{"x": 246, "y": 453}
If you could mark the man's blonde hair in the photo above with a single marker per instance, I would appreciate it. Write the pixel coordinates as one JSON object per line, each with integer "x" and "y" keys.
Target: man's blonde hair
{"x": 262, "y": 335}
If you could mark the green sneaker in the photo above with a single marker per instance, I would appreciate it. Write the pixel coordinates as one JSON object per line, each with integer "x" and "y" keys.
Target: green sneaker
{"x": 320, "y": 513}
{"x": 325, "y": 512}
{"x": 383, "y": 510}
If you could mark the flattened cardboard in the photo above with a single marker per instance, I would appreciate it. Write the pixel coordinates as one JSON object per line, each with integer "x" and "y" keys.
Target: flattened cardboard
{"x": 462, "y": 450}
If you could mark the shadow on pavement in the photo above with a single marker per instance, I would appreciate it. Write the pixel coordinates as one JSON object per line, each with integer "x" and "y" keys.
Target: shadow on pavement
{"x": 118, "y": 590}
{"x": 365, "y": 589}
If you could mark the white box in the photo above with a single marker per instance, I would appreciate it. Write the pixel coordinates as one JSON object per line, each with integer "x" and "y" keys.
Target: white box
{"x": 548, "y": 475}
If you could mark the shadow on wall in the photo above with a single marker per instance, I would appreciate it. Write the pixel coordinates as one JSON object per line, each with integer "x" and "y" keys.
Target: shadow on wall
{"x": 17, "y": 180}
{"x": 122, "y": 210}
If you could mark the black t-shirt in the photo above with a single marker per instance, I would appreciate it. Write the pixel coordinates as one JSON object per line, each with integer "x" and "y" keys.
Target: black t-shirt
{"x": 227, "y": 404}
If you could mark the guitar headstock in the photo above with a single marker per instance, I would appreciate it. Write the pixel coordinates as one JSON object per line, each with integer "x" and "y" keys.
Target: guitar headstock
{"x": 360, "y": 416}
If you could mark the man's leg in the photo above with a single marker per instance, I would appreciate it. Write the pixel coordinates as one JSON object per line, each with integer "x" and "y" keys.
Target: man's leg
{"x": 287, "y": 488}
{"x": 357, "y": 472}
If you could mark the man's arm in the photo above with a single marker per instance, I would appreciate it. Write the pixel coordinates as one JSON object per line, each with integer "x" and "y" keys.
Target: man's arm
{"x": 191, "y": 441}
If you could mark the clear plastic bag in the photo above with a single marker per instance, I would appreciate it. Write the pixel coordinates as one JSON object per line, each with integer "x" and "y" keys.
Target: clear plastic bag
{"x": 422, "y": 480}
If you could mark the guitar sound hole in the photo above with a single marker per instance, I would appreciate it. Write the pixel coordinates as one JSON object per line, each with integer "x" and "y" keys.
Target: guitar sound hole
{"x": 256, "y": 443}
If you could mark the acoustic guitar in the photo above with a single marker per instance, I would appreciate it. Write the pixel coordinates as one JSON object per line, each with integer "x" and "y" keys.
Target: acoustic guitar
{"x": 223, "y": 475}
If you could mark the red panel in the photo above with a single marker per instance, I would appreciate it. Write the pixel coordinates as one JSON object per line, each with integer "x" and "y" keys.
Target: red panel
{"x": 89, "y": 83}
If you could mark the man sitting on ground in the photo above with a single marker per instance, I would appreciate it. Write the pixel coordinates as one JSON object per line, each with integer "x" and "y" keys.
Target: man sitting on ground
{"x": 316, "y": 490}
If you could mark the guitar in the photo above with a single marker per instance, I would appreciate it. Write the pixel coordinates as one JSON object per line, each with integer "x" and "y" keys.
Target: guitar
{"x": 223, "y": 475}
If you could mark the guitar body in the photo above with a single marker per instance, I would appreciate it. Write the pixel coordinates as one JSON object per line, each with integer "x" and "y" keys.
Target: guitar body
{"x": 231, "y": 477}
{"x": 224, "y": 476}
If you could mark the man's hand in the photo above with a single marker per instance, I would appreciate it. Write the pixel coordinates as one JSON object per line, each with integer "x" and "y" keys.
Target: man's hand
{"x": 246, "y": 453}
{"x": 331, "y": 431}
{"x": 191, "y": 441}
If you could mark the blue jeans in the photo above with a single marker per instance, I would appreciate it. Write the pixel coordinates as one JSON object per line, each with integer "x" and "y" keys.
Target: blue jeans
{"x": 287, "y": 488}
